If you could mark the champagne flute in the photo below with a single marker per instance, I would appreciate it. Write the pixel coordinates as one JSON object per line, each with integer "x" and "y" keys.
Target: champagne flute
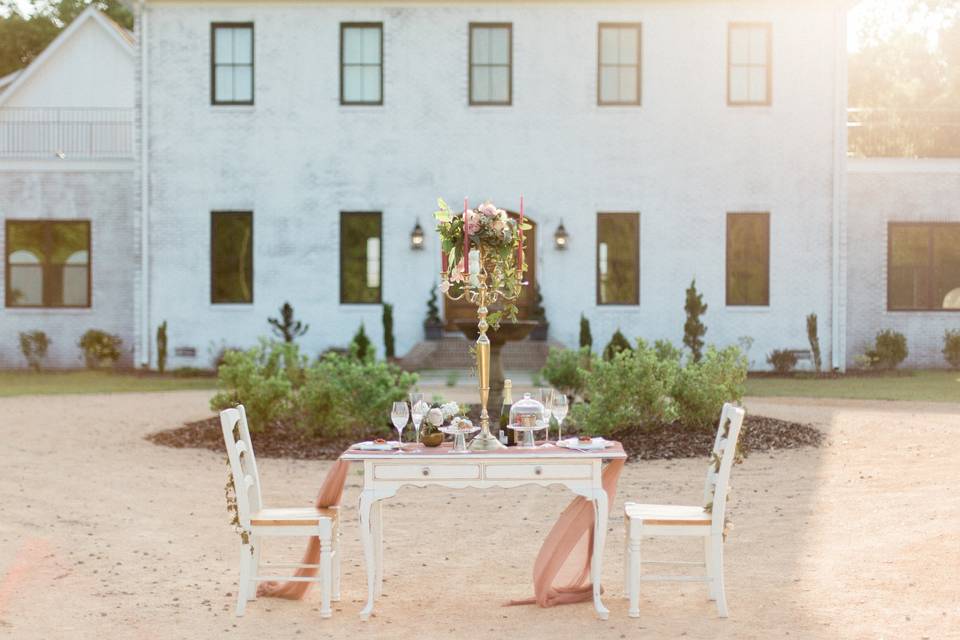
{"x": 545, "y": 396}
{"x": 559, "y": 407}
{"x": 399, "y": 415}
{"x": 418, "y": 409}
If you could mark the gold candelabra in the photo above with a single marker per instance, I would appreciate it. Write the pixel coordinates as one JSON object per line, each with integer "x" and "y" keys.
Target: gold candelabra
{"x": 477, "y": 289}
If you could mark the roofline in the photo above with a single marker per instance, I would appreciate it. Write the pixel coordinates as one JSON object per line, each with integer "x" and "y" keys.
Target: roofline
{"x": 90, "y": 13}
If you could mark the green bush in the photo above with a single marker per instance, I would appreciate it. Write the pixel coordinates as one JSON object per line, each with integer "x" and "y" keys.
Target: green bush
{"x": 666, "y": 351}
{"x": 814, "y": 339}
{"x": 951, "y": 347}
{"x": 890, "y": 349}
{"x": 617, "y": 344}
{"x": 33, "y": 346}
{"x": 566, "y": 369}
{"x": 702, "y": 387}
{"x": 693, "y": 328}
{"x": 586, "y": 338}
{"x": 162, "y": 347}
{"x": 100, "y": 348}
{"x": 388, "y": 340}
{"x": 285, "y": 326}
{"x": 360, "y": 347}
{"x": 782, "y": 360}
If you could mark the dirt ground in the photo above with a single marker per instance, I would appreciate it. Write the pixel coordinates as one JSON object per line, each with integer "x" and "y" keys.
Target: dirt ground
{"x": 104, "y": 535}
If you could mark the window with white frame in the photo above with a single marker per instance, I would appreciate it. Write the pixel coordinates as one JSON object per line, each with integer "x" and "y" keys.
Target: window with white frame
{"x": 618, "y": 64}
{"x": 231, "y": 63}
{"x": 491, "y": 63}
{"x": 749, "y": 65}
{"x": 361, "y": 63}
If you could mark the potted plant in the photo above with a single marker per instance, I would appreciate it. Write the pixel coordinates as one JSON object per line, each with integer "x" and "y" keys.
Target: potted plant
{"x": 433, "y": 325}
{"x": 538, "y": 313}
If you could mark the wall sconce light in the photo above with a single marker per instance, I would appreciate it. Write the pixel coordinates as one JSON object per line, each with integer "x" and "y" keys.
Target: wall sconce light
{"x": 416, "y": 237}
{"x": 560, "y": 238}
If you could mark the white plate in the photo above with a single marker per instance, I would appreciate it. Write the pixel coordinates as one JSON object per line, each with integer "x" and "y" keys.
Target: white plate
{"x": 369, "y": 445}
{"x": 574, "y": 443}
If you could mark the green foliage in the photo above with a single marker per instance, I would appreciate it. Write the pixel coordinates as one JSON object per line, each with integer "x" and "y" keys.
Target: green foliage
{"x": 33, "y": 346}
{"x": 360, "y": 347}
{"x": 782, "y": 360}
{"x": 100, "y": 348}
{"x": 586, "y": 338}
{"x": 388, "y": 341}
{"x": 452, "y": 378}
{"x": 617, "y": 344}
{"x": 702, "y": 387}
{"x": 814, "y": 339}
{"x": 890, "y": 349}
{"x": 537, "y": 312}
{"x": 693, "y": 328}
{"x": 951, "y": 347}
{"x": 433, "y": 312}
{"x": 566, "y": 370}
{"x": 666, "y": 351}
{"x": 162, "y": 347}
{"x": 286, "y": 327}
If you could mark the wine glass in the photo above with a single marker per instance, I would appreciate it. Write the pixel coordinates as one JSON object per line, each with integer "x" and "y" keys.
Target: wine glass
{"x": 559, "y": 408}
{"x": 418, "y": 409}
{"x": 545, "y": 396}
{"x": 399, "y": 415}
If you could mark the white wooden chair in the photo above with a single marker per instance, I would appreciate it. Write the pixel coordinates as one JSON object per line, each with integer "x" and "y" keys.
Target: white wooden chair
{"x": 258, "y": 522}
{"x": 706, "y": 522}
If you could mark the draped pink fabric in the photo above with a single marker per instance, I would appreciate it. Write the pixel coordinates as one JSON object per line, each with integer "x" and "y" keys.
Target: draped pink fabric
{"x": 561, "y": 573}
{"x": 331, "y": 492}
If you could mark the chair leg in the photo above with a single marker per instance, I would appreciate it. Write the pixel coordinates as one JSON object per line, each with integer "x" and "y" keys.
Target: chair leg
{"x": 708, "y": 563}
{"x": 336, "y": 564}
{"x": 626, "y": 558}
{"x": 257, "y": 544}
{"x": 244, "y": 585}
{"x": 717, "y": 557}
{"x": 325, "y": 586}
{"x": 634, "y": 577}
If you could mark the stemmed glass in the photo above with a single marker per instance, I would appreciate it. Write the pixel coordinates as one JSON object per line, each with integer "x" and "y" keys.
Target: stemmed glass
{"x": 418, "y": 409}
{"x": 399, "y": 415}
{"x": 546, "y": 399}
{"x": 559, "y": 407}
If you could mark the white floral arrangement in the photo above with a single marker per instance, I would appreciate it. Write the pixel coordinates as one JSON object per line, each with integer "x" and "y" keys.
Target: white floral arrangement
{"x": 449, "y": 413}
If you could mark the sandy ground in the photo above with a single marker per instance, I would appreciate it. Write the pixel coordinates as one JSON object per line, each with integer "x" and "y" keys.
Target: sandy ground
{"x": 107, "y": 536}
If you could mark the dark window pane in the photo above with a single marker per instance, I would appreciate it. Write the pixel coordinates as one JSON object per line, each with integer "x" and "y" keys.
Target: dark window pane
{"x": 618, "y": 258}
{"x": 48, "y": 264}
{"x": 946, "y": 266}
{"x": 360, "y": 257}
{"x": 231, "y": 257}
{"x": 924, "y": 267}
{"x": 748, "y": 259}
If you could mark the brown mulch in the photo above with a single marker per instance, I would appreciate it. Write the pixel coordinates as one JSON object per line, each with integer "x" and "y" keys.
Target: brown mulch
{"x": 652, "y": 442}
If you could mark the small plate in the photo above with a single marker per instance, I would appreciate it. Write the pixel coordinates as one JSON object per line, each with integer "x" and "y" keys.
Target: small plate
{"x": 370, "y": 445}
{"x": 594, "y": 444}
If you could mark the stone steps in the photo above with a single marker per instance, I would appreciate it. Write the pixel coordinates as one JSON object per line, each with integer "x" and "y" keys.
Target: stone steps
{"x": 453, "y": 352}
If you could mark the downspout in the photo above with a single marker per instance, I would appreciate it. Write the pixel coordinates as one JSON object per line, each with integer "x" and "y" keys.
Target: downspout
{"x": 838, "y": 333}
{"x": 144, "y": 192}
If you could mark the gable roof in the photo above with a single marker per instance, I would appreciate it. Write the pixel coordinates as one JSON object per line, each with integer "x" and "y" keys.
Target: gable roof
{"x": 10, "y": 83}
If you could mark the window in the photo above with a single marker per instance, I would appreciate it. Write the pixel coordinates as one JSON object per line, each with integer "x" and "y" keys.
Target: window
{"x": 749, "y": 63}
{"x": 361, "y": 63}
{"x": 231, "y": 257}
{"x": 618, "y": 64}
{"x": 923, "y": 272}
{"x": 618, "y": 258}
{"x": 48, "y": 263}
{"x": 491, "y": 63}
{"x": 231, "y": 63}
{"x": 748, "y": 259}
{"x": 360, "y": 265}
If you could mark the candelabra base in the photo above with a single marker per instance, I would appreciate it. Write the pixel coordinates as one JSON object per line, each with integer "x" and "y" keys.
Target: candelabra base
{"x": 486, "y": 441}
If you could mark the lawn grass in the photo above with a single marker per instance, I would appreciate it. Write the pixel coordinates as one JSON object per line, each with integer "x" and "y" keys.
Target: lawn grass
{"x": 21, "y": 383}
{"x": 933, "y": 386}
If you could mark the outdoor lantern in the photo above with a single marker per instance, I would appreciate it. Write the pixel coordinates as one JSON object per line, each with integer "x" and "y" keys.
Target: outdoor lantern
{"x": 416, "y": 237}
{"x": 560, "y": 237}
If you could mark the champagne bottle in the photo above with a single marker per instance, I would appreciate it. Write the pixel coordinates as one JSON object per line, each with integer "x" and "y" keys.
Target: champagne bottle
{"x": 505, "y": 412}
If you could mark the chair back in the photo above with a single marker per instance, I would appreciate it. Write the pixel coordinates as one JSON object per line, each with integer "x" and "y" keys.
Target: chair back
{"x": 721, "y": 462}
{"x": 243, "y": 463}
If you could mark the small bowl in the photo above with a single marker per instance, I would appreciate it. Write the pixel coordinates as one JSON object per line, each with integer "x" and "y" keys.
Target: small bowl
{"x": 432, "y": 439}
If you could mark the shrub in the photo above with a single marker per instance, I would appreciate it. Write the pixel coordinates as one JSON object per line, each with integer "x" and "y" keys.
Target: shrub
{"x": 286, "y": 327}
{"x": 693, "y": 328}
{"x": 782, "y": 360}
{"x": 537, "y": 312}
{"x": 566, "y": 370}
{"x": 890, "y": 349}
{"x": 433, "y": 312}
{"x": 702, "y": 387}
{"x": 361, "y": 347}
{"x": 586, "y": 338}
{"x": 951, "y": 347}
{"x": 666, "y": 351}
{"x": 162, "y": 347}
{"x": 100, "y": 348}
{"x": 33, "y": 346}
{"x": 814, "y": 338}
{"x": 452, "y": 378}
{"x": 388, "y": 342}
{"x": 617, "y": 344}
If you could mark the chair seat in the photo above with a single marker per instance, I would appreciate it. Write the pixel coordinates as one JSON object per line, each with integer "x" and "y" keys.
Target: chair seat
{"x": 292, "y": 516}
{"x": 667, "y": 514}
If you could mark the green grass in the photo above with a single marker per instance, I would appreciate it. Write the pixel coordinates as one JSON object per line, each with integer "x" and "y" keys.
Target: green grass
{"x": 21, "y": 383}
{"x": 935, "y": 386}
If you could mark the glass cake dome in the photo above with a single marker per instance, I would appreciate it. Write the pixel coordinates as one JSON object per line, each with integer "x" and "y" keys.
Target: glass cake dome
{"x": 526, "y": 412}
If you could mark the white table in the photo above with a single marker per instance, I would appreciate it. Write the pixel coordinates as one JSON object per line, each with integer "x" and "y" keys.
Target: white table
{"x": 385, "y": 473}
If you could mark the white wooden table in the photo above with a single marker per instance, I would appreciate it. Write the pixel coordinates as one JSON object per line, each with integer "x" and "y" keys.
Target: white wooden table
{"x": 385, "y": 473}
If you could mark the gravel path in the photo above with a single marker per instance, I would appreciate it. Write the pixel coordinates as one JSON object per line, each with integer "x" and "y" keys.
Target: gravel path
{"x": 105, "y": 535}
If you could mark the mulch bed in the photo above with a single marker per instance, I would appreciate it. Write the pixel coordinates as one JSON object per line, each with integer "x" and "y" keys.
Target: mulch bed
{"x": 653, "y": 442}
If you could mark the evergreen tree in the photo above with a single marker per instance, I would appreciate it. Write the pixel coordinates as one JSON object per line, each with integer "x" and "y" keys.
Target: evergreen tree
{"x": 693, "y": 328}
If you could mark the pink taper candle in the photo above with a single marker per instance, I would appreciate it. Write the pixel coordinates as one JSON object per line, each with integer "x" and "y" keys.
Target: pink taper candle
{"x": 466, "y": 241}
{"x": 520, "y": 244}
{"x": 443, "y": 259}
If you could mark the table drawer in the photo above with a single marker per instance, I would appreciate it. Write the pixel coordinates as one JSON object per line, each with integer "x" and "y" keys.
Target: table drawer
{"x": 426, "y": 471}
{"x": 544, "y": 471}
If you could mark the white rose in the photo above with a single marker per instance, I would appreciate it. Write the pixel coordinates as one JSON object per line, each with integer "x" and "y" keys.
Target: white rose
{"x": 435, "y": 417}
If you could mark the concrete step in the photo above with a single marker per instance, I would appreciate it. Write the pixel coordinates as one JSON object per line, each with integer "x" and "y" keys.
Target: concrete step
{"x": 453, "y": 352}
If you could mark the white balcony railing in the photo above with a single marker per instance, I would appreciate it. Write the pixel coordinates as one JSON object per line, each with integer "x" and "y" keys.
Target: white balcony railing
{"x": 903, "y": 133}
{"x": 38, "y": 133}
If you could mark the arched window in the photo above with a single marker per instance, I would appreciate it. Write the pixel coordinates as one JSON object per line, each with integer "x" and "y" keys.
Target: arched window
{"x": 47, "y": 263}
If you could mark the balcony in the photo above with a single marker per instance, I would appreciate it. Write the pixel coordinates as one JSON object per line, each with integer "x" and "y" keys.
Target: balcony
{"x": 29, "y": 133}
{"x": 903, "y": 133}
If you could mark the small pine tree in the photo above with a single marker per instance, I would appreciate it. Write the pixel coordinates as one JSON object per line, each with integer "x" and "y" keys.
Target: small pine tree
{"x": 693, "y": 328}
{"x": 586, "y": 338}
{"x": 162, "y": 347}
{"x": 537, "y": 312}
{"x": 433, "y": 312}
{"x": 618, "y": 342}
{"x": 388, "y": 343}
{"x": 360, "y": 347}
{"x": 286, "y": 327}
{"x": 814, "y": 340}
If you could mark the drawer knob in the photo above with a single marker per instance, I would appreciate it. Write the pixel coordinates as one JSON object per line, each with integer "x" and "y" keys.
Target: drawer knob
{"x": 425, "y": 471}
{"x": 538, "y": 471}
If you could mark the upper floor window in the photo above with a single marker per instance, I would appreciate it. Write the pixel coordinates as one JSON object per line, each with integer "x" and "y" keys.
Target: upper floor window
{"x": 749, "y": 63}
{"x": 231, "y": 63}
{"x": 618, "y": 258}
{"x": 618, "y": 63}
{"x": 360, "y": 264}
{"x": 923, "y": 270}
{"x": 48, "y": 263}
{"x": 491, "y": 63}
{"x": 231, "y": 257}
{"x": 361, "y": 63}
{"x": 748, "y": 259}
